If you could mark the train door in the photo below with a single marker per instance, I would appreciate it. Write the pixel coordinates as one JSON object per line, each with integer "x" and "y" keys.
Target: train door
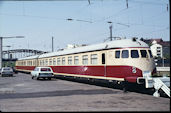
{"x": 104, "y": 62}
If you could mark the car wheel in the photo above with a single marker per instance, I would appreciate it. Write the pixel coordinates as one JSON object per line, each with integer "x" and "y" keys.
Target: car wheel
{"x": 49, "y": 78}
{"x": 32, "y": 77}
{"x": 37, "y": 78}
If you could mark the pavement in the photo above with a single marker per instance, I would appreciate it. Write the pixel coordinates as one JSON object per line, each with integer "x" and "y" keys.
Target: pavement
{"x": 22, "y": 94}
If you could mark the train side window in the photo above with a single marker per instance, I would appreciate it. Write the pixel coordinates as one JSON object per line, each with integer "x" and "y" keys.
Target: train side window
{"x": 85, "y": 59}
{"x": 76, "y": 60}
{"x": 149, "y": 51}
{"x": 94, "y": 59}
{"x": 58, "y": 61}
{"x": 143, "y": 53}
{"x": 125, "y": 54}
{"x": 43, "y": 62}
{"x": 54, "y": 61}
{"x": 70, "y": 60}
{"x": 117, "y": 54}
{"x": 50, "y": 61}
{"x": 103, "y": 58}
{"x": 46, "y": 62}
{"x": 40, "y": 62}
{"x": 134, "y": 54}
{"x": 63, "y": 61}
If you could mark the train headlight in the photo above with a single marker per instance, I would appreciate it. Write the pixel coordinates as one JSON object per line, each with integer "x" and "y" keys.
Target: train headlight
{"x": 134, "y": 70}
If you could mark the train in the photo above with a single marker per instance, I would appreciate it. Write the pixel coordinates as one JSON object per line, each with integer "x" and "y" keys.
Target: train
{"x": 121, "y": 61}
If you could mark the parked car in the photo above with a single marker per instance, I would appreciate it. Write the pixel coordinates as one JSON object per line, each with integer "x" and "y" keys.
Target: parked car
{"x": 6, "y": 71}
{"x": 42, "y": 72}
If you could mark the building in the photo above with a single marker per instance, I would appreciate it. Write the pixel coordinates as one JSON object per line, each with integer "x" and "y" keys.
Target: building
{"x": 160, "y": 47}
{"x": 156, "y": 49}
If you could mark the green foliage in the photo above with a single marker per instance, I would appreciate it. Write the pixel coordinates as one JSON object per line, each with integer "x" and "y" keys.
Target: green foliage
{"x": 167, "y": 56}
{"x": 8, "y": 64}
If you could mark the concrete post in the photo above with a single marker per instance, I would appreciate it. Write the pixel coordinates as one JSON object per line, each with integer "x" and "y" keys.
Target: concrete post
{"x": 0, "y": 52}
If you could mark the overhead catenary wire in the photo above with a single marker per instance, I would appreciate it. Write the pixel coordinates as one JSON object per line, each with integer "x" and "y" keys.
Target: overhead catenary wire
{"x": 158, "y": 30}
{"x": 99, "y": 20}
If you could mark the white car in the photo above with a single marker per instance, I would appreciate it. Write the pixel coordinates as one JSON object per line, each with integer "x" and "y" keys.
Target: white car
{"x": 6, "y": 71}
{"x": 42, "y": 72}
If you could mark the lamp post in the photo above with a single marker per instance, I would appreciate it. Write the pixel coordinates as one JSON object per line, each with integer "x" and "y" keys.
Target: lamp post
{"x": 52, "y": 45}
{"x": 110, "y": 27}
{"x": 7, "y": 50}
{"x": 1, "y": 42}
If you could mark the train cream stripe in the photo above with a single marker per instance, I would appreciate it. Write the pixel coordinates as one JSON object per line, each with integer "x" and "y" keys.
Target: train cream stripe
{"x": 87, "y": 76}
{"x": 23, "y": 70}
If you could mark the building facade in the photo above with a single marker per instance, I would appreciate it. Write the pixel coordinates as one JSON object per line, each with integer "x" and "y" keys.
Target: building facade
{"x": 159, "y": 47}
{"x": 156, "y": 49}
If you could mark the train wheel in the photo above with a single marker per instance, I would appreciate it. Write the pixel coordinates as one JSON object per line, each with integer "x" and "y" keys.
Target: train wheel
{"x": 49, "y": 78}
{"x": 125, "y": 86}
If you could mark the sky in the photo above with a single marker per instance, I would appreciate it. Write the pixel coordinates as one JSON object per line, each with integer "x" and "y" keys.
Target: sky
{"x": 39, "y": 21}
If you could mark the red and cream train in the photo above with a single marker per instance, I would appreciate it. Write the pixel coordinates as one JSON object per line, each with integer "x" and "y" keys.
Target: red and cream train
{"x": 118, "y": 60}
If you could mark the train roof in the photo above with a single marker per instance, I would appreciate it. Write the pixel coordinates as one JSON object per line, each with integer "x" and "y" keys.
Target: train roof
{"x": 123, "y": 43}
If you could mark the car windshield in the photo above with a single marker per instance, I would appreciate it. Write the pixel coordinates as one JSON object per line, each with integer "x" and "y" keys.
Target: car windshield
{"x": 7, "y": 69}
{"x": 45, "y": 69}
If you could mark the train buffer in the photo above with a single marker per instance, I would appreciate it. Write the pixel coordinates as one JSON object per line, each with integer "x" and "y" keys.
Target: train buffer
{"x": 157, "y": 83}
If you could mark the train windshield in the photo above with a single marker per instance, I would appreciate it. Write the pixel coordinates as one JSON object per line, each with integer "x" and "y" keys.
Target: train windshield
{"x": 143, "y": 53}
{"x": 117, "y": 54}
{"x": 134, "y": 54}
{"x": 151, "y": 56}
{"x": 125, "y": 54}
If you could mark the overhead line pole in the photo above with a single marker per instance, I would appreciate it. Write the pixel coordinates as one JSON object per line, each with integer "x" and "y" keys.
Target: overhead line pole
{"x": 1, "y": 42}
{"x": 110, "y": 27}
{"x": 52, "y": 45}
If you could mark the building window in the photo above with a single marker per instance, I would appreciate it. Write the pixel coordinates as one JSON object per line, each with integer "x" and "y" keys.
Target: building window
{"x": 158, "y": 54}
{"x": 134, "y": 54}
{"x": 63, "y": 61}
{"x": 85, "y": 59}
{"x": 58, "y": 61}
{"x": 125, "y": 54}
{"x": 158, "y": 48}
{"x": 158, "y": 51}
{"x": 70, "y": 60}
{"x": 76, "y": 60}
{"x": 94, "y": 59}
{"x": 54, "y": 61}
{"x": 117, "y": 54}
{"x": 143, "y": 53}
